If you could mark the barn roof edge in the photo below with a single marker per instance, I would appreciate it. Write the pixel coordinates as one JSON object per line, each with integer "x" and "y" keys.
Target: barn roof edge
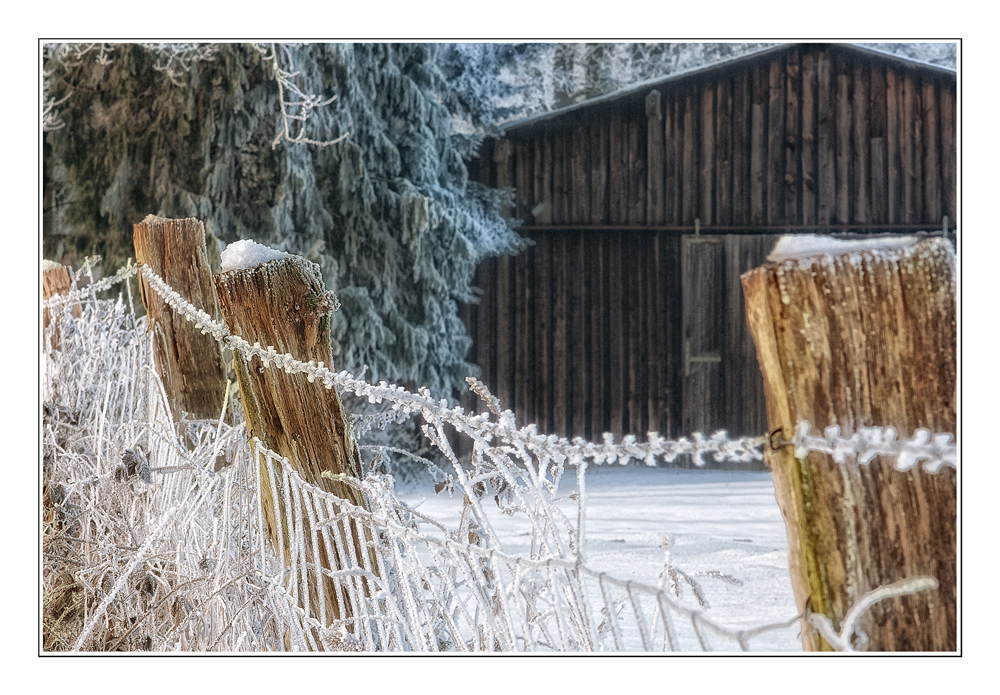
{"x": 631, "y": 90}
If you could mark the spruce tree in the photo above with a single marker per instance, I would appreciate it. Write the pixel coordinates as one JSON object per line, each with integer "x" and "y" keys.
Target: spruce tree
{"x": 387, "y": 211}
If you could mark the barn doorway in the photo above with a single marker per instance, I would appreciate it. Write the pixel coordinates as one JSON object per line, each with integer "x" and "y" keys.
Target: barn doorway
{"x": 721, "y": 385}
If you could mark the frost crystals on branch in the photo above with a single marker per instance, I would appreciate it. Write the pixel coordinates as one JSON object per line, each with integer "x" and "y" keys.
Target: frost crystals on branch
{"x": 300, "y": 106}
{"x": 176, "y": 59}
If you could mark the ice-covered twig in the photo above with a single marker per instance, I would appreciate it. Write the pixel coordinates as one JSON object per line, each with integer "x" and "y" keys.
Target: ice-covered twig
{"x": 842, "y": 641}
{"x": 139, "y": 557}
{"x": 301, "y": 105}
{"x": 175, "y": 59}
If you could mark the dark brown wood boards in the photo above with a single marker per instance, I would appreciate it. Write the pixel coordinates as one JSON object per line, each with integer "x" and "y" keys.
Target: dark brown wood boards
{"x": 189, "y": 363}
{"x": 865, "y": 339}
{"x": 588, "y": 329}
{"x": 812, "y": 134}
{"x": 283, "y": 303}
{"x": 816, "y": 134}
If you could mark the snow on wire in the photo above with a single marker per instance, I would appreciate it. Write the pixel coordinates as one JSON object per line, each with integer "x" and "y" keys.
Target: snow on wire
{"x": 868, "y": 442}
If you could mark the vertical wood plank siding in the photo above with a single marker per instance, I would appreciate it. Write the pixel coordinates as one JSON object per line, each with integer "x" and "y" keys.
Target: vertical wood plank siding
{"x": 793, "y": 145}
{"x": 826, "y": 185}
{"x": 809, "y": 183}
{"x": 757, "y": 147}
{"x": 583, "y": 331}
{"x": 860, "y": 145}
{"x": 877, "y": 124}
{"x": 776, "y": 143}
{"x": 724, "y": 141}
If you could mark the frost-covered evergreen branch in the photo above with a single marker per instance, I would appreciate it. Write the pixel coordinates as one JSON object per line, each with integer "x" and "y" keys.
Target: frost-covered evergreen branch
{"x": 50, "y": 117}
{"x": 389, "y": 213}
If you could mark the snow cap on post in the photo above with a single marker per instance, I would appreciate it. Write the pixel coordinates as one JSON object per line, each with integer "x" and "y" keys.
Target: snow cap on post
{"x": 247, "y": 253}
{"x": 795, "y": 246}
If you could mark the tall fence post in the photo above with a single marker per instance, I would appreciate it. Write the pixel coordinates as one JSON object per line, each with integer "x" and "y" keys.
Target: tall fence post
{"x": 866, "y": 338}
{"x": 189, "y": 362}
{"x": 283, "y": 303}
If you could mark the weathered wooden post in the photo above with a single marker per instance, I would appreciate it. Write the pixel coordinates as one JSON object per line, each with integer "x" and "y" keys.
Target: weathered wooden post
{"x": 56, "y": 279}
{"x": 189, "y": 363}
{"x": 283, "y": 303}
{"x": 859, "y": 339}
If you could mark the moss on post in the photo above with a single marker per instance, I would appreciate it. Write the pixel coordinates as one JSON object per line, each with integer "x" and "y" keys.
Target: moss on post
{"x": 863, "y": 339}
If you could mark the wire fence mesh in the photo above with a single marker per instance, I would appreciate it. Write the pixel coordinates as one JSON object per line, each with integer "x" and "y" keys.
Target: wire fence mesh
{"x": 154, "y": 537}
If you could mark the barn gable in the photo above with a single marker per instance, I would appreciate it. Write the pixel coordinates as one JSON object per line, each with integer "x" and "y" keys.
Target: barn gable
{"x": 626, "y": 315}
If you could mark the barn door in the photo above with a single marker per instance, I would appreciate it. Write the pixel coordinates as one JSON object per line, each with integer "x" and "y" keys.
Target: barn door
{"x": 703, "y": 297}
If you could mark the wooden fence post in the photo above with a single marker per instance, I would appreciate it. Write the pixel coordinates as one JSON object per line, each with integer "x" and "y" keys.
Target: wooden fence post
{"x": 56, "y": 279}
{"x": 283, "y": 303}
{"x": 189, "y": 363}
{"x": 866, "y": 338}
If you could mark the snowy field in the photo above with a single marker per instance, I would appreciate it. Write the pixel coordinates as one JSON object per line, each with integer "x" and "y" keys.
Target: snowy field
{"x": 719, "y": 521}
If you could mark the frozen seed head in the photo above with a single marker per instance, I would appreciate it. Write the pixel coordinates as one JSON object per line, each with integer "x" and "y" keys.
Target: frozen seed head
{"x": 247, "y": 253}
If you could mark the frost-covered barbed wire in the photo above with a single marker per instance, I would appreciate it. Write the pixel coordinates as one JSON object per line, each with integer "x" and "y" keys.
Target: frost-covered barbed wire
{"x": 866, "y": 443}
{"x": 549, "y": 447}
{"x": 934, "y": 452}
{"x": 90, "y": 290}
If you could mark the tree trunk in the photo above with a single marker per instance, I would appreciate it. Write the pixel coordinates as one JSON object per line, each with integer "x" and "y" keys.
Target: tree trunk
{"x": 864, "y": 339}
{"x": 283, "y": 304}
{"x": 188, "y": 362}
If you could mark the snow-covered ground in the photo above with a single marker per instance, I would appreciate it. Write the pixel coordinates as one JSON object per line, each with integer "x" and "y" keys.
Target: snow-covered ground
{"x": 719, "y": 521}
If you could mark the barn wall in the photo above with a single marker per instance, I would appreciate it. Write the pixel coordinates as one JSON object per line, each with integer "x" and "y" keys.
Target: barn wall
{"x": 574, "y": 333}
{"x": 618, "y": 319}
{"x": 584, "y": 333}
{"x": 810, "y": 136}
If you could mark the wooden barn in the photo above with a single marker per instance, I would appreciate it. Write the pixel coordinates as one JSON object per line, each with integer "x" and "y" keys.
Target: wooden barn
{"x": 626, "y": 313}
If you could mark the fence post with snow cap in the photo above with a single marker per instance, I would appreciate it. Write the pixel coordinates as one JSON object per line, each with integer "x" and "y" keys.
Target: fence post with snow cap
{"x": 856, "y": 336}
{"x": 273, "y": 299}
{"x": 189, "y": 362}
